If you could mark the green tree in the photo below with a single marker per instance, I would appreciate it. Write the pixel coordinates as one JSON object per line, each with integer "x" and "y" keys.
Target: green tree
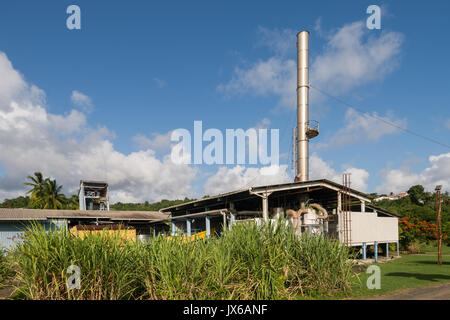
{"x": 416, "y": 193}
{"x": 52, "y": 198}
{"x": 37, "y": 182}
{"x": 72, "y": 203}
{"x": 19, "y": 202}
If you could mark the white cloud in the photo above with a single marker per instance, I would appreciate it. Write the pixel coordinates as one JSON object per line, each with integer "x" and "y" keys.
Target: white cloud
{"x": 319, "y": 169}
{"x": 160, "y": 83}
{"x": 447, "y": 123}
{"x": 273, "y": 76}
{"x": 11, "y": 83}
{"x": 66, "y": 148}
{"x": 81, "y": 100}
{"x": 263, "y": 124}
{"x": 240, "y": 177}
{"x": 363, "y": 127}
{"x": 437, "y": 173}
{"x": 351, "y": 57}
{"x": 157, "y": 141}
{"x": 281, "y": 42}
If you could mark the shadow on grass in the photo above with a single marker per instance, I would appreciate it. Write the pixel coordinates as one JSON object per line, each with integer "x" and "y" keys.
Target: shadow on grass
{"x": 446, "y": 263}
{"x": 418, "y": 276}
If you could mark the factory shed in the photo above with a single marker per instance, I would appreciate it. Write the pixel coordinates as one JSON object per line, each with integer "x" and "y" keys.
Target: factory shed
{"x": 13, "y": 222}
{"x": 350, "y": 216}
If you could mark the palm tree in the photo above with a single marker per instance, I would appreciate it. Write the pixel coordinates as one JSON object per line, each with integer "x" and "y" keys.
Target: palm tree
{"x": 36, "y": 192}
{"x": 52, "y": 198}
{"x": 73, "y": 203}
{"x": 45, "y": 193}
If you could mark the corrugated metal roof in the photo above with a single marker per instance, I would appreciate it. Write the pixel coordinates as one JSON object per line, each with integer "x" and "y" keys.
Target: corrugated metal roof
{"x": 293, "y": 185}
{"x": 386, "y": 212}
{"x": 40, "y": 214}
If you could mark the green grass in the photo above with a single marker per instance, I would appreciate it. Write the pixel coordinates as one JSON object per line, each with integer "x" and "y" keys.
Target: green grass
{"x": 5, "y": 268}
{"x": 432, "y": 249}
{"x": 248, "y": 262}
{"x": 410, "y": 271}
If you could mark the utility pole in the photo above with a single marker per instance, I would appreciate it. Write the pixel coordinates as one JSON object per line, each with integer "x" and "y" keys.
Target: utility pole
{"x": 439, "y": 223}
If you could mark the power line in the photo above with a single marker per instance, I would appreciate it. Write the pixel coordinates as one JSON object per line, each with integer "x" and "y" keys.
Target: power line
{"x": 290, "y": 121}
{"x": 381, "y": 119}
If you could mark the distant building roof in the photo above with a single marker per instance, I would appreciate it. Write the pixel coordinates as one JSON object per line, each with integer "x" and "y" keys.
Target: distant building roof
{"x": 392, "y": 196}
{"x": 102, "y": 183}
{"x": 323, "y": 184}
{"x": 7, "y": 214}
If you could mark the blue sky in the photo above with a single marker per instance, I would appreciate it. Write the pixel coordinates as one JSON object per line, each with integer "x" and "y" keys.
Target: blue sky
{"x": 142, "y": 69}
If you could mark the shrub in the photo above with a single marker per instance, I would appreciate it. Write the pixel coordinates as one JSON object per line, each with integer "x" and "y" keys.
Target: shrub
{"x": 5, "y": 267}
{"x": 411, "y": 229}
{"x": 246, "y": 262}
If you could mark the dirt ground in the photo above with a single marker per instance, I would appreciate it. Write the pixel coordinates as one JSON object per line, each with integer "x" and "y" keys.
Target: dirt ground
{"x": 438, "y": 292}
{"x": 6, "y": 291}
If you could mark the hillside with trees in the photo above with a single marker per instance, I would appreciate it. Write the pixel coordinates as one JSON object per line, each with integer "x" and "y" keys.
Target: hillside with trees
{"x": 418, "y": 204}
{"x": 418, "y": 215}
{"x": 45, "y": 193}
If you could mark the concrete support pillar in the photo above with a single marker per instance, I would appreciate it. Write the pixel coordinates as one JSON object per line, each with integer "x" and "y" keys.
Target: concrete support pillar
{"x": 224, "y": 220}
{"x": 188, "y": 227}
{"x": 339, "y": 202}
{"x": 398, "y": 248}
{"x": 375, "y": 249}
{"x": 174, "y": 228}
{"x": 233, "y": 219}
{"x": 208, "y": 226}
{"x": 265, "y": 206}
{"x": 387, "y": 251}
{"x": 232, "y": 215}
{"x": 364, "y": 251}
{"x": 363, "y": 206}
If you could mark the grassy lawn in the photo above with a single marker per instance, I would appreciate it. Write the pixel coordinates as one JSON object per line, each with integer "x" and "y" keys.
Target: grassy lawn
{"x": 433, "y": 250}
{"x": 410, "y": 271}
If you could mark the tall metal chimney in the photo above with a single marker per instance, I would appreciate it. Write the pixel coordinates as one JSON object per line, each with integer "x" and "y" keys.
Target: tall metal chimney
{"x": 305, "y": 129}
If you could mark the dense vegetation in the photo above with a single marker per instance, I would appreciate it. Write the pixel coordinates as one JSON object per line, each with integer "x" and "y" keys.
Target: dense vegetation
{"x": 45, "y": 193}
{"x": 146, "y": 206}
{"x": 246, "y": 262}
{"x": 5, "y": 267}
{"x": 418, "y": 212}
{"x": 419, "y": 206}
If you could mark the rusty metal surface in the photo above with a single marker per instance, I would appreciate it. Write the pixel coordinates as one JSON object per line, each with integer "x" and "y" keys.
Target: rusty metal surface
{"x": 38, "y": 214}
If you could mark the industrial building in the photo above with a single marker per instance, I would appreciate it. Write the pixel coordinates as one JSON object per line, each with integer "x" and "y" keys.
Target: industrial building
{"x": 312, "y": 206}
{"x": 93, "y": 195}
{"x": 14, "y": 222}
{"x": 350, "y": 216}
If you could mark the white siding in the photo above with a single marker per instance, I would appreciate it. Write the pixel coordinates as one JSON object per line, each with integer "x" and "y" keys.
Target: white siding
{"x": 368, "y": 227}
